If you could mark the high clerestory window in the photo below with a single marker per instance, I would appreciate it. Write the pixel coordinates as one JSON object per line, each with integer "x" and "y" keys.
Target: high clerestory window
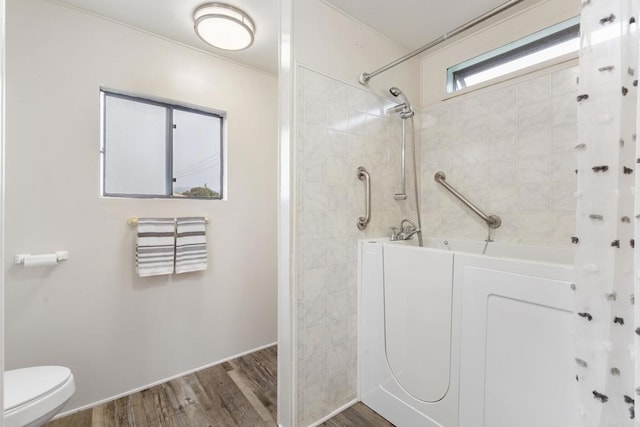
{"x": 155, "y": 149}
{"x": 550, "y": 43}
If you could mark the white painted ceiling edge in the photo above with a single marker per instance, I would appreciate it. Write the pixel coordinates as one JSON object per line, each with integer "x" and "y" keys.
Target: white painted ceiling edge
{"x": 414, "y": 23}
{"x": 173, "y": 20}
{"x": 408, "y": 23}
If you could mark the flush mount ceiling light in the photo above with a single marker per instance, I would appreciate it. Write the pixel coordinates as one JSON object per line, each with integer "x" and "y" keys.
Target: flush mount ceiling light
{"x": 224, "y": 26}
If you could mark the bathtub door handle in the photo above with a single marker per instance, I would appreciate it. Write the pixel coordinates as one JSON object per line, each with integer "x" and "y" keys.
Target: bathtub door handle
{"x": 363, "y": 175}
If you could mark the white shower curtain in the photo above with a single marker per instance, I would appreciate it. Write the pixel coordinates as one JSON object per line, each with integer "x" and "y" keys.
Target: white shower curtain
{"x": 607, "y": 369}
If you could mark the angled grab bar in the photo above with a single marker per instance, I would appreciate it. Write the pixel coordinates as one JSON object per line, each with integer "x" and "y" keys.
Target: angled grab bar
{"x": 363, "y": 175}
{"x": 493, "y": 221}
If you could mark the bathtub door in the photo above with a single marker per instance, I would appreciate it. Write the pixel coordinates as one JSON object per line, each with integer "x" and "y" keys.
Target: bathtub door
{"x": 405, "y": 335}
{"x": 417, "y": 316}
{"x": 516, "y": 359}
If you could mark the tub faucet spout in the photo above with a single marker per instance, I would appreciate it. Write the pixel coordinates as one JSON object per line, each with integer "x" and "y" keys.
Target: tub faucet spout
{"x": 407, "y": 229}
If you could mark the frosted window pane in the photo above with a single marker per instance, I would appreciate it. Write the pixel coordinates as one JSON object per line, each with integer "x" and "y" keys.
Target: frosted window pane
{"x": 550, "y": 43}
{"x": 520, "y": 63}
{"x": 135, "y": 147}
{"x": 196, "y": 154}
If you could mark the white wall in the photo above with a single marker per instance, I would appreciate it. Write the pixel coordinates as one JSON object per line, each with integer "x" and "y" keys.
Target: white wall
{"x": 286, "y": 319}
{"x": 339, "y": 125}
{"x": 92, "y": 313}
{"x": 2, "y": 228}
{"x": 331, "y": 42}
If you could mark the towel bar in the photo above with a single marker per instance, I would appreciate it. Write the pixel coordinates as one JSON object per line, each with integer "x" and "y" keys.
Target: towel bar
{"x": 133, "y": 221}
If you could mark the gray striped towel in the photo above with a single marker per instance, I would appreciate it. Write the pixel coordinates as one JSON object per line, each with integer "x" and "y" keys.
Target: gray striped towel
{"x": 191, "y": 244}
{"x": 155, "y": 246}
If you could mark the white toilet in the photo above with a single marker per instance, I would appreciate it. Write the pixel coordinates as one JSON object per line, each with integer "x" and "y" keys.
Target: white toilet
{"x": 32, "y": 396}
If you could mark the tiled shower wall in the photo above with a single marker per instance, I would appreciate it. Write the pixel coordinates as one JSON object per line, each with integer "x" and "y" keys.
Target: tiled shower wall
{"x": 339, "y": 128}
{"x": 511, "y": 151}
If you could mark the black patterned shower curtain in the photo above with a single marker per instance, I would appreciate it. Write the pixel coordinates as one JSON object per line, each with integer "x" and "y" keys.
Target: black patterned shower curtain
{"x": 607, "y": 324}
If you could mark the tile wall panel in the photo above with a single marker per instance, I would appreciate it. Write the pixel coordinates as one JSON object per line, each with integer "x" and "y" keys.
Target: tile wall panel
{"x": 339, "y": 128}
{"x": 511, "y": 151}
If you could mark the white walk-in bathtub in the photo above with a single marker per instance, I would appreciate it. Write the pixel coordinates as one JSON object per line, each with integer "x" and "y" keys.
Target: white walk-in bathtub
{"x": 450, "y": 337}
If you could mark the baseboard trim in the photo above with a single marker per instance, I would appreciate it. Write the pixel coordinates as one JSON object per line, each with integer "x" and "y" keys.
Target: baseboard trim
{"x": 162, "y": 381}
{"x": 334, "y": 413}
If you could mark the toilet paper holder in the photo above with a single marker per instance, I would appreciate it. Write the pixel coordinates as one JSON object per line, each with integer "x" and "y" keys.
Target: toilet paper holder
{"x": 41, "y": 259}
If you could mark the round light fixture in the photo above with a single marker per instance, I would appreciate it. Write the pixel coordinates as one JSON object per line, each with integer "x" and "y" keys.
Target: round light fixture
{"x": 223, "y": 26}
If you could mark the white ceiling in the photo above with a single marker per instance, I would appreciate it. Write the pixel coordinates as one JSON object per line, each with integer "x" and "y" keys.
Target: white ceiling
{"x": 410, "y": 23}
{"x": 173, "y": 19}
{"x": 413, "y": 23}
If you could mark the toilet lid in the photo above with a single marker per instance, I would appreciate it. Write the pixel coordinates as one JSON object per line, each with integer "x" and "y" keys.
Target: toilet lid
{"x": 24, "y": 385}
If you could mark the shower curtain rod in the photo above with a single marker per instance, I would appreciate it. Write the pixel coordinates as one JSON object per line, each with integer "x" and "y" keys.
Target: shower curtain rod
{"x": 365, "y": 77}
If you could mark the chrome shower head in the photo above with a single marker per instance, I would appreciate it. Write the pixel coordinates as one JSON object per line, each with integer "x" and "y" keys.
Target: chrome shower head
{"x": 404, "y": 108}
{"x": 398, "y": 93}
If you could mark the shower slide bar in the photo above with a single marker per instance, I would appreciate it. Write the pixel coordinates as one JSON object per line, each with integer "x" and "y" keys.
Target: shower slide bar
{"x": 493, "y": 221}
{"x": 365, "y": 77}
{"x": 402, "y": 195}
{"x": 363, "y": 175}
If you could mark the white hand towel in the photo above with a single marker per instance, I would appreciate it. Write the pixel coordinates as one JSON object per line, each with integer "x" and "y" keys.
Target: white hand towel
{"x": 155, "y": 247}
{"x": 191, "y": 244}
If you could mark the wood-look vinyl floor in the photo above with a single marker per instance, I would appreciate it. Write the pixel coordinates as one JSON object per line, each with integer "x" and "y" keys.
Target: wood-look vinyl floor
{"x": 238, "y": 393}
{"x": 357, "y": 415}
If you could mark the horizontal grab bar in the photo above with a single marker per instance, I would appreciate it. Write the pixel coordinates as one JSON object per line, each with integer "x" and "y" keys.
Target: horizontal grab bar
{"x": 493, "y": 221}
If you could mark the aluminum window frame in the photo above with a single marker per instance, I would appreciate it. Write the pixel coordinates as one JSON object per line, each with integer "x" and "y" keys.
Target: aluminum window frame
{"x": 538, "y": 41}
{"x": 170, "y": 108}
